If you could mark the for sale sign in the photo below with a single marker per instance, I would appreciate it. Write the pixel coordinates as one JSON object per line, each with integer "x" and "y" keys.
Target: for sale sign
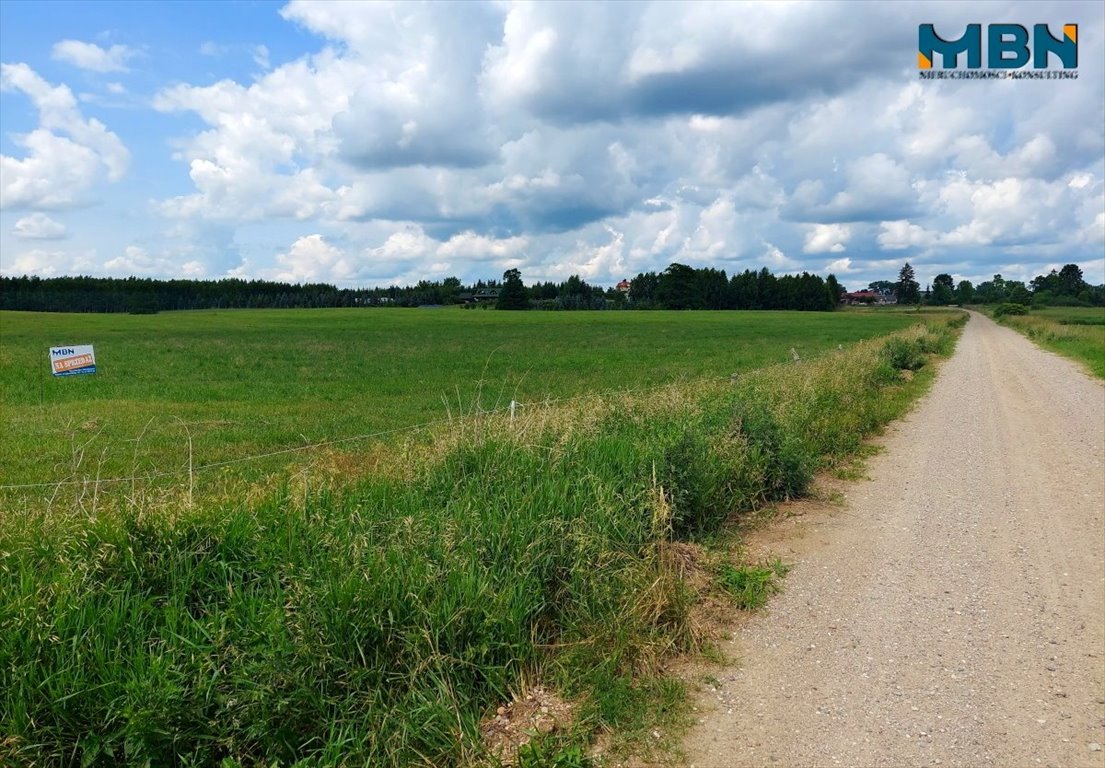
{"x": 69, "y": 361}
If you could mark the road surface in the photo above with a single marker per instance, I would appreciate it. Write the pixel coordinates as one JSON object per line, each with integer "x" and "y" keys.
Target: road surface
{"x": 952, "y": 612}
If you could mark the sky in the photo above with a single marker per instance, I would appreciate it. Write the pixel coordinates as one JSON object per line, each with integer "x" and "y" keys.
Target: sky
{"x": 366, "y": 144}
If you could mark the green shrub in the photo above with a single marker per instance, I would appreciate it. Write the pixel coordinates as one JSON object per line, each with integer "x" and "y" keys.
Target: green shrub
{"x": 904, "y": 354}
{"x": 1010, "y": 308}
{"x": 782, "y": 465}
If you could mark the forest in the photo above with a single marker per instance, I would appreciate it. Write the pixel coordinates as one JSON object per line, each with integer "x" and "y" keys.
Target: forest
{"x": 677, "y": 287}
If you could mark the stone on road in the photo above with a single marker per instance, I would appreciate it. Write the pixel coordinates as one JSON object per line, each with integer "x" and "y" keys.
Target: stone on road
{"x": 953, "y": 612}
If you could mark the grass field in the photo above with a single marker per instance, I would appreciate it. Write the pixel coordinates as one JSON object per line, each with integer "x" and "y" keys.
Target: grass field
{"x": 1076, "y": 332}
{"x": 241, "y": 383}
{"x": 377, "y": 619}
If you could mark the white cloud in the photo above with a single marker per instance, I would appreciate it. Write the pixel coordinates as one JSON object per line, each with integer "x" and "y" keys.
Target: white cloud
{"x": 610, "y": 139}
{"x": 57, "y": 169}
{"x": 139, "y": 262}
{"x": 901, "y": 234}
{"x": 405, "y": 253}
{"x": 595, "y": 262}
{"x": 283, "y": 119}
{"x": 39, "y": 226}
{"x": 822, "y": 238}
{"x": 1080, "y": 180}
{"x": 709, "y": 241}
{"x": 53, "y": 175}
{"x": 774, "y": 258}
{"x": 49, "y": 263}
{"x": 92, "y": 57}
{"x": 312, "y": 259}
{"x": 471, "y": 246}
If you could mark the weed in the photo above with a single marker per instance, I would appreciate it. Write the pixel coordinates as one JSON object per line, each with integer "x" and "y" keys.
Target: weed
{"x": 548, "y": 753}
{"x": 749, "y": 585}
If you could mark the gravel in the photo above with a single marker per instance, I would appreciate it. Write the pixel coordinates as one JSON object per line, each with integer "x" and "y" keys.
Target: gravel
{"x": 952, "y": 612}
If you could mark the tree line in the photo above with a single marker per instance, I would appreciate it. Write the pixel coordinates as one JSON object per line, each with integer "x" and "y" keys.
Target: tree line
{"x": 145, "y": 295}
{"x": 683, "y": 287}
{"x": 1063, "y": 287}
{"x": 677, "y": 287}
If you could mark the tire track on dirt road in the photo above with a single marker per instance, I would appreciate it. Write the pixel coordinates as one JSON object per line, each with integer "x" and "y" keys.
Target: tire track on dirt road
{"x": 953, "y": 613}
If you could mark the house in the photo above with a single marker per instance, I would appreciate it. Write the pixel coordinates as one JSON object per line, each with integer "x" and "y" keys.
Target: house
{"x": 479, "y": 296}
{"x": 622, "y": 287}
{"x": 869, "y": 297}
{"x": 864, "y": 297}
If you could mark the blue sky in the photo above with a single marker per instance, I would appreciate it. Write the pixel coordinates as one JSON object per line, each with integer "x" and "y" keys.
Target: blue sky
{"x": 368, "y": 144}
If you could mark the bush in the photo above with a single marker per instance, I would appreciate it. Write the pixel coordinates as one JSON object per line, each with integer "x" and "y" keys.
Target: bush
{"x": 904, "y": 354}
{"x": 1010, "y": 308}
{"x": 783, "y": 465}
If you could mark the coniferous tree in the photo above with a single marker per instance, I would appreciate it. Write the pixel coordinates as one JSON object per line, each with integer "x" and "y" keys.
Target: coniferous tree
{"x": 907, "y": 287}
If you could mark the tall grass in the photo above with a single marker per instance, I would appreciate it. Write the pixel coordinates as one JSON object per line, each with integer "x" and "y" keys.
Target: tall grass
{"x": 1075, "y": 332}
{"x": 375, "y": 623}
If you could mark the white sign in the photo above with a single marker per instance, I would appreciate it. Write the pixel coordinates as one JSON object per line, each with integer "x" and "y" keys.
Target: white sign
{"x": 69, "y": 361}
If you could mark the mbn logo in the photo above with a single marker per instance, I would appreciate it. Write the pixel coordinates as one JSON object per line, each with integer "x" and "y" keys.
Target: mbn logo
{"x": 61, "y": 352}
{"x": 1007, "y": 46}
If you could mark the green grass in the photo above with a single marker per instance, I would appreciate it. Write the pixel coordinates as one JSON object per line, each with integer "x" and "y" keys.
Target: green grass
{"x": 750, "y": 586}
{"x": 241, "y": 383}
{"x": 1074, "y": 332}
{"x": 376, "y": 620}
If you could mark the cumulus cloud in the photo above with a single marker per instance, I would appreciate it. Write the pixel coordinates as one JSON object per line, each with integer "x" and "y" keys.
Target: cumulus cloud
{"x": 901, "y": 234}
{"x": 822, "y": 238}
{"x": 474, "y": 247}
{"x": 590, "y": 260}
{"x": 312, "y": 259}
{"x": 65, "y": 154}
{"x": 92, "y": 57}
{"x": 603, "y": 61}
{"x": 137, "y": 261}
{"x": 44, "y": 263}
{"x": 39, "y": 226}
{"x": 405, "y": 253}
{"x": 774, "y": 258}
{"x": 609, "y": 139}
{"x": 277, "y": 121}
{"x": 411, "y": 102}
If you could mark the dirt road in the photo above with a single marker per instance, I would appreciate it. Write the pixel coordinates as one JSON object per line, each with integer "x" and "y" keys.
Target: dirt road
{"x": 952, "y": 612}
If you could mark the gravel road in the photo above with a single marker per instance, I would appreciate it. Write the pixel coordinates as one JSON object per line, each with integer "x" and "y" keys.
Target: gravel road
{"x": 952, "y": 612}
